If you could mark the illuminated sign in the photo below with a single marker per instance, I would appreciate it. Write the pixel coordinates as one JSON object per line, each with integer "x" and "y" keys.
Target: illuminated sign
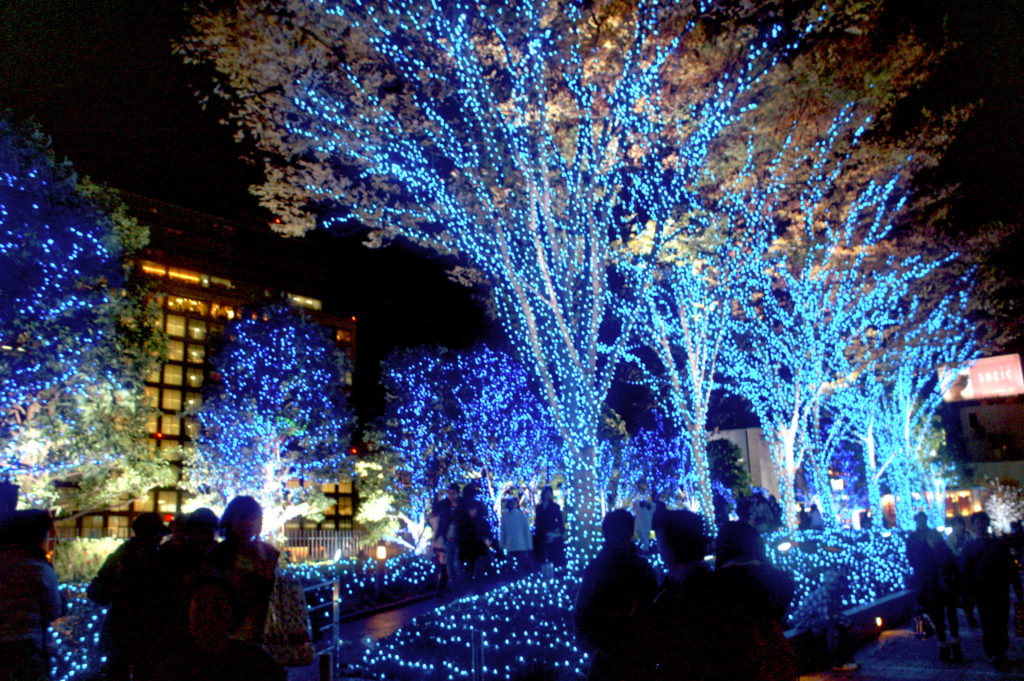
{"x": 999, "y": 376}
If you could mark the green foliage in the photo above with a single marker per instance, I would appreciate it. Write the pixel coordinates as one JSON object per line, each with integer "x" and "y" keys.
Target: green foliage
{"x": 78, "y": 560}
{"x": 80, "y": 441}
{"x": 725, "y": 460}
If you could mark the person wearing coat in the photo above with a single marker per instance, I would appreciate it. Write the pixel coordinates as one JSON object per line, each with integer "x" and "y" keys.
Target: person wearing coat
{"x": 130, "y": 584}
{"x": 515, "y": 534}
{"x": 29, "y": 599}
{"x": 615, "y": 595}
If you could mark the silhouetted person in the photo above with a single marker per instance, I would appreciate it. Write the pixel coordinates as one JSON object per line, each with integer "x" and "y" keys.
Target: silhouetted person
{"x": 181, "y": 562}
{"x": 754, "y": 598}
{"x": 441, "y": 513}
{"x": 803, "y": 518}
{"x": 990, "y": 572}
{"x": 939, "y": 583}
{"x": 29, "y": 599}
{"x": 1015, "y": 540}
{"x": 549, "y": 529}
{"x": 130, "y": 585}
{"x": 614, "y": 597}
{"x": 474, "y": 533}
{"x": 817, "y": 522}
{"x": 247, "y": 563}
{"x": 919, "y": 556}
{"x": 957, "y": 542}
{"x": 211, "y": 653}
{"x": 686, "y": 632}
{"x": 643, "y": 511}
{"x": 515, "y": 534}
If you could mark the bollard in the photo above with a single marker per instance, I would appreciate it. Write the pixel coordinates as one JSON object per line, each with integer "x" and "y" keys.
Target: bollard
{"x": 478, "y": 655}
{"x": 326, "y": 666}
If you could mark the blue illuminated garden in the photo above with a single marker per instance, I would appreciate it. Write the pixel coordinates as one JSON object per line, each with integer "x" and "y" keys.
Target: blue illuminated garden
{"x": 675, "y": 238}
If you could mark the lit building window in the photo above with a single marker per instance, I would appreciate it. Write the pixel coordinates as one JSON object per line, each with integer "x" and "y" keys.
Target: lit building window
{"x": 305, "y": 302}
{"x": 152, "y": 396}
{"x": 196, "y": 354}
{"x": 167, "y": 501}
{"x": 197, "y": 330}
{"x": 183, "y": 275}
{"x": 193, "y": 401}
{"x": 170, "y": 450}
{"x": 154, "y": 375}
{"x": 191, "y": 427}
{"x": 170, "y": 426}
{"x": 171, "y": 400}
{"x": 194, "y": 377}
{"x": 152, "y": 423}
{"x": 153, "y": 269}
{"x": 175, "y": 325}
{"x": 172, "y": 374}
{"x": 175, "y": 351}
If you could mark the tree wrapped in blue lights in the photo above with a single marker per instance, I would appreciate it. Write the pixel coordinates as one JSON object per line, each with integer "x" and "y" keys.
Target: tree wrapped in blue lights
{"x": 461, "y": 417}
{"x": 277, "y": 425}
{"x": 76, "y": 339}
{"x": 820, "y": 305}
{"x": 508, "y": 439}
{"x": 655, "y": 461}
{"x": 689, "y": 330}
{"x": 892, "y": 409}
{"x": 417, "y": 436}
{"x": 524, "y": 139}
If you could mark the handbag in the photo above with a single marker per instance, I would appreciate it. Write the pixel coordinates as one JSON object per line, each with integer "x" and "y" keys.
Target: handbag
{"x": 287, "y": 634}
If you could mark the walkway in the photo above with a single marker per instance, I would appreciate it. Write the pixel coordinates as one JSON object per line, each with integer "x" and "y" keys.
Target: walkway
{"x": 898, "y": 655}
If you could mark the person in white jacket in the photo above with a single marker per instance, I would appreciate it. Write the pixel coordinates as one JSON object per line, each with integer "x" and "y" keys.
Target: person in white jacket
{"x": 515, "y": 534}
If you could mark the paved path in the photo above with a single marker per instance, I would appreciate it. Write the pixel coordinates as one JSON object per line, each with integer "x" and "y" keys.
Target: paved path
{"x": 898, "y": 655}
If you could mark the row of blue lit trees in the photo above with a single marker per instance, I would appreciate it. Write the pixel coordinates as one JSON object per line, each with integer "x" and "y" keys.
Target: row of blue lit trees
{"x": 545, "y": 146}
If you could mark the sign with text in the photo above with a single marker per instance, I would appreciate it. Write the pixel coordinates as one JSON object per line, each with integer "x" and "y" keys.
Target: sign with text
{"x": 999, "y": 376}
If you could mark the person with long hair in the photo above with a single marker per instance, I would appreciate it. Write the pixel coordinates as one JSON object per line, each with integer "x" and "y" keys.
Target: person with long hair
{"x": 247, "y": 563}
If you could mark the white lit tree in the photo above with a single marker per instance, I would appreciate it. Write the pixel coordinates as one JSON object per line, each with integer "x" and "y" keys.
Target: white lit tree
{"x": 277, "y": 425}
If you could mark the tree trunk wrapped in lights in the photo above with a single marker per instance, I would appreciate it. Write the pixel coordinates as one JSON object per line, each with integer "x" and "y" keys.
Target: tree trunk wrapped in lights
{"x": 524, "y": 139}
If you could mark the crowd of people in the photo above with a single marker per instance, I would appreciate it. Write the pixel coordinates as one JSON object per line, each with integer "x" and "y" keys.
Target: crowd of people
{"x": 463, "y": 541}
{"x": 965, "y": 570}
{"x": 183, "y": 606}
{"x": 697, "y": 623}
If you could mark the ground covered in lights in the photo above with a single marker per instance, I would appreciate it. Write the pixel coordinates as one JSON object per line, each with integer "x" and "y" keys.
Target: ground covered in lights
{"x": 525, "y": 623}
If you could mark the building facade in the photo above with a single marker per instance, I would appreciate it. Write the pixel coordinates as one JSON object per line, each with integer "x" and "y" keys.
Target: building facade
{"x": 202, "y": 271}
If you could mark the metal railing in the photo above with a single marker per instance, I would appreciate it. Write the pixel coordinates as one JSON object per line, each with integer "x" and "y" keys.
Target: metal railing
{"x": 71, "y": 532}
{"x": 315, "y": 545}
{"x": 323, "y": 616}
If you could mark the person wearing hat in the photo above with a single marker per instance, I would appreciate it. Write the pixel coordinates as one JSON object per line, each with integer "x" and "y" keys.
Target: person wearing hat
{"x": 129, "y": 584}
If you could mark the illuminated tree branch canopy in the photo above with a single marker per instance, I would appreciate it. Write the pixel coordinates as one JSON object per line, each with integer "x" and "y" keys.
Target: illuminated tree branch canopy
{"x": 277, "y": 426}
{"x": 76, "y": 340}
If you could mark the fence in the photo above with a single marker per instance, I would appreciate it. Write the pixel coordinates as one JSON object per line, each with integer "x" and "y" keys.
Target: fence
{"x": 314, "y": 545}
{"x": 322, "y": 600}
{"x": 72, "y": 532}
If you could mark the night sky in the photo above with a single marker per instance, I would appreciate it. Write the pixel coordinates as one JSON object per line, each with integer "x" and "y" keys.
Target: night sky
{"x": 100, "y": 78}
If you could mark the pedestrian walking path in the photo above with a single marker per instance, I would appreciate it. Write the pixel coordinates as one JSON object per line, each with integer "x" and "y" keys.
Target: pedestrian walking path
{"x": 899, "y": 655}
